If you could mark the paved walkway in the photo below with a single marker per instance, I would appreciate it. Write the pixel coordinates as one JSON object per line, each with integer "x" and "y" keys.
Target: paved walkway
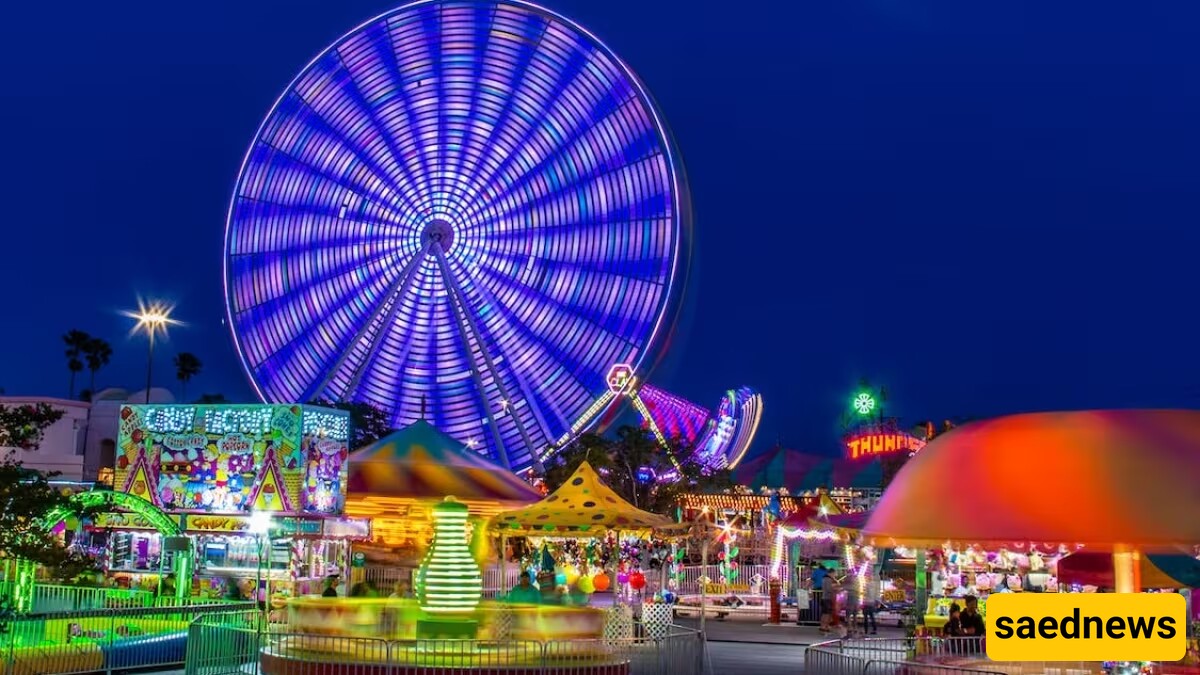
{"x": 758, "y": 632}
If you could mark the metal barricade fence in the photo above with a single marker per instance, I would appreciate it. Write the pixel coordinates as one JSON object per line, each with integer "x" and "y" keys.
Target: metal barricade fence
{"x": 48, "y": 598}
{"x": 923, "y": 656}
{"x": 224, "y": 642}
{"x": 103, "y": 640}
{"x": 218, "y": 646}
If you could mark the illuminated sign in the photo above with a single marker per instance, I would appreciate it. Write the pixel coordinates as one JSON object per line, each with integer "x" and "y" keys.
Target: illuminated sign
{"x": 348, "y": 528}
{"x": 239, "y": 524}
{"x": 619, "y": 377}
{"x": 120, "y": 521}
{"x": 234, "y": 459}
{"x": 864, "y": 404}
{"x": 875, "y": 442}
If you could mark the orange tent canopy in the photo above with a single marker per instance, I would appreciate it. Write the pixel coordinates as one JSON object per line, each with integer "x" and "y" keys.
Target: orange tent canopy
{"x": 582, "y": 507}
{"x": 1102, "y": 479}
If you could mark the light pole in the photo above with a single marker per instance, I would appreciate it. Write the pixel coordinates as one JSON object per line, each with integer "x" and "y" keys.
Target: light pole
{"x": 151, "y": 319}
{"x": 260, "y": 526}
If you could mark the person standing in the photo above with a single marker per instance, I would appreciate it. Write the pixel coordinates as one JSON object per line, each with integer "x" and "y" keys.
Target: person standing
{"x": 972, "y": 624}
{"x": 871, "y": 602}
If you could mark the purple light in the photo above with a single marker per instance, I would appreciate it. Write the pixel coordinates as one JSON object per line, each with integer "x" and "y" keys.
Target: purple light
{"x": 461, "y": 203}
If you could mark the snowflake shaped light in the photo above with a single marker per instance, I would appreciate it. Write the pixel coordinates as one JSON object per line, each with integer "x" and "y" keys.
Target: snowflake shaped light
{"x": 864, "y": 404}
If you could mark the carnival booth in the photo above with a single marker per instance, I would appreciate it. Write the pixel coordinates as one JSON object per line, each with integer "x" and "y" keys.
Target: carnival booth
{"x": 396, "y": 480}
{"x": 584, "y": 508}
{"x": 1119, "y": 480}
{"x": 258, "y": 488}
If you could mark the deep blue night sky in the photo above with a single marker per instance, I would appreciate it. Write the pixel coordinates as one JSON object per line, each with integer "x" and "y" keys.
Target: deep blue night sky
{"x": 988, "y": 207}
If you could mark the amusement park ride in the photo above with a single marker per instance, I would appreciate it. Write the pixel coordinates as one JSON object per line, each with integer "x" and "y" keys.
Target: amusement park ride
{"x": 719, "y": 438}
{"x": 476, "y": 222}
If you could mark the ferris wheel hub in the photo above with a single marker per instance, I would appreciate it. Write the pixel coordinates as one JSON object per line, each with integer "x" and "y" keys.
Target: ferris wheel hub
{"x": 439, "y": 232}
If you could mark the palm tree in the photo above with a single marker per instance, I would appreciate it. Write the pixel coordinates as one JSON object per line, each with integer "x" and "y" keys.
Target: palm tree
{"x": 187, "y": 366}
{"x": 76, "y": 341}
{"x": 97, "y": 352}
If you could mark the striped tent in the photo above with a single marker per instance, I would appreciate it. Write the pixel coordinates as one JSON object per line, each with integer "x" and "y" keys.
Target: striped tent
{"x": 798, "y": 471}
{"x": 422, "y": 462}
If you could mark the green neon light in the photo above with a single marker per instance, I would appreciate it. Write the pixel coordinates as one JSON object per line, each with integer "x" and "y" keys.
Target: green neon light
{"x": 864, "y": 404}
{"x": 96, "y": 498}
{"x": 450, "y": 578}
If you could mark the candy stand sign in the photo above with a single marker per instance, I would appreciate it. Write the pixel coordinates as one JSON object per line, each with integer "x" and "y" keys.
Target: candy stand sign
{"x": 234, "y": 459}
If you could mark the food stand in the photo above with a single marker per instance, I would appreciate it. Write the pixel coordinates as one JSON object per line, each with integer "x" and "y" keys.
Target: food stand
{"x": 216, "y": 468}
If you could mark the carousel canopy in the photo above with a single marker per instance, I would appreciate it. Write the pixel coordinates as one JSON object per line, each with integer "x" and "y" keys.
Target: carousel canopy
{"x": 422, "y": 462}
{"x": 582, "y": 507}
{"x": 1101, "y": 478}
{"x": 798, "y": 471}
{"x": 1158, "y": 571}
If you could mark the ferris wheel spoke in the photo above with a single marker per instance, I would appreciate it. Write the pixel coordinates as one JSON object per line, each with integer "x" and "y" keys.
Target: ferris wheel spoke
{"x": 462, "y": 30}
{"x": 396, "y": 357}
{"x": 506, "y": 65}
{"x": 604, "y": 248}
{"x": 583, "y": 143}
{"x": 390, "y": 299}
{"x": 290, "y": 335}
{"x": 410, "y": 63}
{"x": 318, "y": 150}
{"x": 460, "y": 304}
{"x": 606, "y": 313}
{"x": 272, "y": 277}
{"x": 414, "y": 189}
{"x": 613, "y": 190}
{"x": 531, "y": 350}
{"x": 576, "y": 352}
{"x": 388, "y": 324}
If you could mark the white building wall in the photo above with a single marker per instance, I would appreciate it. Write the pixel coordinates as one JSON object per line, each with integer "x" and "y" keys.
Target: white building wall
{"x": 62, "y": 446}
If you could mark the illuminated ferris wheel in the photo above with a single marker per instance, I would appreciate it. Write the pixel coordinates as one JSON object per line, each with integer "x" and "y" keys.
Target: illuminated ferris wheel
{"x": 462, "y": 210}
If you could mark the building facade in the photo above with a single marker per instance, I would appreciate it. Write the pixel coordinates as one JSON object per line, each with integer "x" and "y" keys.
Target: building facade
{"x": 62, "y": 446}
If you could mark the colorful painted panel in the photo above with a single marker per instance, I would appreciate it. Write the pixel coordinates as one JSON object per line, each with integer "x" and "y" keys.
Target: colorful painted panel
{"x": 234, "y": 458}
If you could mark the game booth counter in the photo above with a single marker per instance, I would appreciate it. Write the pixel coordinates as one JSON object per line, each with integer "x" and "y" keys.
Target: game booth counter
{"x": 216, "y": 469}
{"x": 1148, "y": 456}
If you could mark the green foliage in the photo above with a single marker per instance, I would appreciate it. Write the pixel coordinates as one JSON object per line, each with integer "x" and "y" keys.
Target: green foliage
{"x": 76, "y": 342}
{"x": 26, "y": 495}
{"x": 367, "y": 423}
{"x": 618, "y": 459}
{"x": 22, "y": 426}
{"x": 97, "y": 353}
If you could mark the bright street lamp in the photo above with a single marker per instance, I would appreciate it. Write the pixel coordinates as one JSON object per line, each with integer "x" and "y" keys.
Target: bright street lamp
{"x": 151, "y": 319}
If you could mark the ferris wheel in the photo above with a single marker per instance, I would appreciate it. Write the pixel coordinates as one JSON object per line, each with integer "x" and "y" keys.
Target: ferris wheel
{"x": 463, "y": 211}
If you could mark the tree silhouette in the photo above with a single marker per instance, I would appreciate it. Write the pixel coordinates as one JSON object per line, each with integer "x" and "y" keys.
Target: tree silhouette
{"x": 76, "y": 342}
{"x": 187, "y": 366}
{"x": 367, "y": 422}
{"x": 630, "y": 460}
{"x": 212, "y": 399}
{"x": 97, "y": 352}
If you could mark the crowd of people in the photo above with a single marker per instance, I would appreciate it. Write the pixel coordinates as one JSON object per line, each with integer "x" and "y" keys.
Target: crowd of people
{"x": 861, "y": 603}
{"x": 547, "y": 592}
